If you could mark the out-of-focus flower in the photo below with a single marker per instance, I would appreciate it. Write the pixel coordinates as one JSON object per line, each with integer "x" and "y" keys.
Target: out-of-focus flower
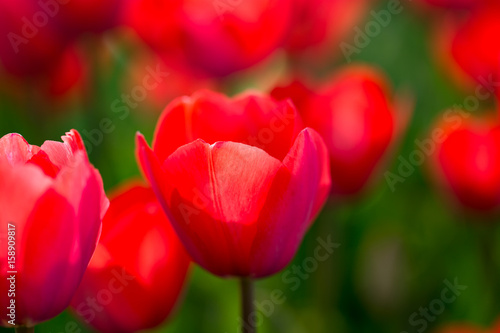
{"x": 60, "y": 81}
{"x": 466, "y": 47}
{"x": 81, "y": 16}
{"x": 297, "y": 90}
{"x": 239, "y": 181}
{"x": 55, "y": 199}
{"x": 319, "y": 26}
{"x": 466, "y": 163}
{"x": 31, "y": 40}
{"x": 356, "y": 117}
{"x": 68, "y": 74}
{"x": 37, "y": 34}
{"x": 139, "y": 268}
{"x": 217, "y": 37}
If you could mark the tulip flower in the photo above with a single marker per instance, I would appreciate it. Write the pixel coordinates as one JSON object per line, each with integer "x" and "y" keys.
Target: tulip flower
{"x": 37, "y": 33}
{"x": 298, "y": 91}
{"x": 466, "y": 163}
{"x": 68, "y": 75}
{"x": 466, "y": 48}
{"x": 214, "y": 36}
{"x": 52, "y": 203}
{"x": 139, "y": 268}
{"x": 80, "y": 16}
{"x": 238, "y": 179}
{"x": 318, "y": 27}
{"x": 31, "y": 40}
{"x": 353, "y": 113}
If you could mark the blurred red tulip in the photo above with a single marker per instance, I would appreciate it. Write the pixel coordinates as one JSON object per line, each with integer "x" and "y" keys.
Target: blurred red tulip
{"x": 51, "y": 90}
{"x": 31, "y": 41}
{"x": 138, "y": 270}
{"x": 468, "y": 45}
{"x": 69, "y": 73}
{"x": 298, "y": 91}
{"x": 241, "y": 204}
{"x": 216, "y": 36}
{"x": 467, "y": 162}
{"x": 80, "y": 16}
{"x": 319, "y": 26}
{"x": 55, "y": 199}
{"x": 353, "y": 114}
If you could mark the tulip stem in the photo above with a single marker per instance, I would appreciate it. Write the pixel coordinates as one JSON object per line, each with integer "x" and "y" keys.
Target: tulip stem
{"x": 247, "y": 307}
{"x": 25, "y": 329}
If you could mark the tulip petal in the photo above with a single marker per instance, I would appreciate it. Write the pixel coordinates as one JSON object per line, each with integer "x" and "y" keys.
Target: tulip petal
{"x": 151, "y": 168}
{"x": 15, "y": 149}
{"x": 46, "y": 271}
{"x": 172, "y": 129}
{"x": 249, "y": 118}
{"x": 81, "y": 185}
{"x": 295, "y": 198}
{"x": 272, "y": 126}
{"x": 61, "y": 153}
{"x": 43, "y": 162}
{"x": 22, "y": 185}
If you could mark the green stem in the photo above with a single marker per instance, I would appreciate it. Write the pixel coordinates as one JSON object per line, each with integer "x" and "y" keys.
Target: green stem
{"x": 247, "y": 307}
{"x": 25, "y": 329}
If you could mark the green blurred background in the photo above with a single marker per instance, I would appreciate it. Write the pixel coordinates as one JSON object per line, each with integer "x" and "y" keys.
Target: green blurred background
{"x": 396, "y": 248}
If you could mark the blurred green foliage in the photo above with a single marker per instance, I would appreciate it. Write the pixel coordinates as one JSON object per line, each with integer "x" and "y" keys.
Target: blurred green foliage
{"x": 396, "y": 248}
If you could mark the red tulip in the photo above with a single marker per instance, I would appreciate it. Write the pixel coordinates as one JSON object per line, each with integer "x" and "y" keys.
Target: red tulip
{"x": 242, "y": 202}
{"x": 467, "y": 163}
{"x": 320, "y": 26}
{"x": 353, "y": 114}
{"x": 468, "y": 45}
{"x": 298, "y": 91}
{"x": 68, "y": 74}
{"x": 79, "y": 16}
{"x": 138, "y": 270}
{"x": 55, "y": 199}
{"x": 215, "y": 36}
{"x": 31, "y": 40}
